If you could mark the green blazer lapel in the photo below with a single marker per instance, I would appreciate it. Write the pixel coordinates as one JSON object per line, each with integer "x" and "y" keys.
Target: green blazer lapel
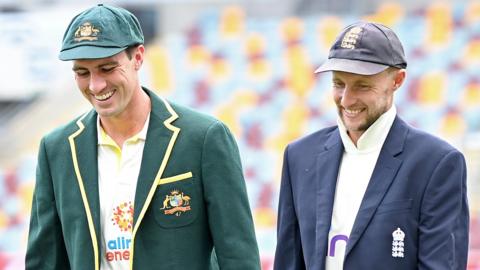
{"x": 161, "y": 137}
{"x": 83, "y": 146}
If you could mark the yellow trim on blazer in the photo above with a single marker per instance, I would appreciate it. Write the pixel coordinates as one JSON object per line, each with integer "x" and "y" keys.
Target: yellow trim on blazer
{"x": 175, "y": 178}
{"x": 91, "y": 227}
{"x": 176, "y": 130}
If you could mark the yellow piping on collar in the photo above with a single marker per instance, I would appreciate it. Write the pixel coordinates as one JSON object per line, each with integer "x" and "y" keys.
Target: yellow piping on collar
{"x": 175, "y": 130}
{"x": 91, "y": 227}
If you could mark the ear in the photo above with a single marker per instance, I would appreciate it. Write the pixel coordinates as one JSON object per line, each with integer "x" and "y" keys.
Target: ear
{"x": 399, "y": 78}
{"x": 139, "y": 56}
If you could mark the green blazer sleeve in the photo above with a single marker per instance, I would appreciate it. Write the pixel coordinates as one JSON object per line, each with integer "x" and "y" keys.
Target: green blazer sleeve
{"x": 46, "y": 248}
{"x": 228, "y": 210}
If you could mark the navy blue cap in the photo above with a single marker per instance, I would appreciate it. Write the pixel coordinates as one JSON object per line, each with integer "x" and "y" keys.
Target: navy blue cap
{"x": 365, "y": 48}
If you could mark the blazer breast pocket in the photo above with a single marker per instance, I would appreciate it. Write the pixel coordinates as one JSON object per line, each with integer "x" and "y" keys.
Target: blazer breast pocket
{"x": 176, "y": 201}
{"x": 395, "y": 206}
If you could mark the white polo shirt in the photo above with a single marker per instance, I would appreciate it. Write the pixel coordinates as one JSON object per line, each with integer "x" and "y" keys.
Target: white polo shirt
{"x": 355, "y": 171}
{"x": 118, "y": 170}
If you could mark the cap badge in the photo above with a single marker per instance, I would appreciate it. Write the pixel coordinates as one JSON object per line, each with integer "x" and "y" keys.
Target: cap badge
{"x": 350, "y": 38}
{"x": 398, "y": 246}
{"x": 176, "y": 203}
{"x": 86, "y": 31}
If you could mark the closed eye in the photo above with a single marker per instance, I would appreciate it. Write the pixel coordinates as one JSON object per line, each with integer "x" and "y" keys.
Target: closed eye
{"x": 81, "y": 73}
{"x": 107, "y": 69}
{"x": 337, "y": 84}
{"x": 364, "y": 86}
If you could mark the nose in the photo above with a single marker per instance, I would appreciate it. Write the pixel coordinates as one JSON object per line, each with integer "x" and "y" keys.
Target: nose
{"x": 347, "y": 97}
{"x": 97, "y": 83}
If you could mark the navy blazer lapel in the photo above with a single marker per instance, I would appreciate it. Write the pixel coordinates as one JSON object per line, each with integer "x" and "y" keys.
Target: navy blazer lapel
{"x": 83, "y": 146}
{"x": 382, "y": 177}
{"x": 328, "y": 164}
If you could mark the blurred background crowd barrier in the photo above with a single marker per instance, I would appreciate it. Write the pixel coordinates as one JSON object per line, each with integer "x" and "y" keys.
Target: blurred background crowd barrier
{"x": 249, "y": 63}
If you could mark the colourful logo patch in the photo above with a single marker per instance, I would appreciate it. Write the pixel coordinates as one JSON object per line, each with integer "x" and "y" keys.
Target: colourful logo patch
{"x": 123, "y": 216}
{"x": 176, "y": 203}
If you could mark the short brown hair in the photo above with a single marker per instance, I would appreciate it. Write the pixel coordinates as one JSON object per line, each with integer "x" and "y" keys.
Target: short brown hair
{"x": 130, "y": 49}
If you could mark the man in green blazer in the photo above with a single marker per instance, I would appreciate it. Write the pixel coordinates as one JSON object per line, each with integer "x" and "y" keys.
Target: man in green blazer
{"x": 137, "y": 182}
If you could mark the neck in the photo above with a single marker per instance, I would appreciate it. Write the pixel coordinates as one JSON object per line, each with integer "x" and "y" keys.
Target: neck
{"x": 130, "y": 122}
{"x": 354, "y": 136}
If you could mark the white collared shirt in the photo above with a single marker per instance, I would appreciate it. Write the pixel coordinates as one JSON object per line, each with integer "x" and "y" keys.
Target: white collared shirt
{"x": 356, "y": 168}
{"x": 118, "y": 170}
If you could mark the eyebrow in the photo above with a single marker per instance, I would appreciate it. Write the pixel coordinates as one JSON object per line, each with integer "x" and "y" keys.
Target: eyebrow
{"x": 356, "y": 81}
{"x": 337, "y": 80}
{"x": 76, "y": 68}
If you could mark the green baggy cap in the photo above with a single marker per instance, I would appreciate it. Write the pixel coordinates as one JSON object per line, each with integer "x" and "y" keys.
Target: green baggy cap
{"x": 99, "y": 32}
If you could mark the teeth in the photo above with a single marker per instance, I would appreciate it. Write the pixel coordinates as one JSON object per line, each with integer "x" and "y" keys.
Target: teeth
{"x": 104, "y": 96}
{"x": 352, "y": 111}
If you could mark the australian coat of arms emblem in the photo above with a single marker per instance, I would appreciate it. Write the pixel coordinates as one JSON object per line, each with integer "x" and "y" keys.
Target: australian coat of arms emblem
{"x": 86, "y": 31}
{"x": 176, "y": 203}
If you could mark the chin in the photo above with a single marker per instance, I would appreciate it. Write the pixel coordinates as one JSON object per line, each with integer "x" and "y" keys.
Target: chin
{"x": 104, "y": 113}
{"x": 360, "y": 127}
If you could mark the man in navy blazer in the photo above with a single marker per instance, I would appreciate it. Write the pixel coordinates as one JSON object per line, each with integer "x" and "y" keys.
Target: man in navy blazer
{"x": 371, "y": 192}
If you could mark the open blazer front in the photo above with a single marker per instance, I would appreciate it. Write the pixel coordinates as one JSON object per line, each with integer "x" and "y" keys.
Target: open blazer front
{"x": 184, "y": 151}
{"x": 418, "y": 185}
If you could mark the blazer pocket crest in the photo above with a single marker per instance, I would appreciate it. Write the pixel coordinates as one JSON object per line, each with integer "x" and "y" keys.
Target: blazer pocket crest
{"x": 176, "y": 200}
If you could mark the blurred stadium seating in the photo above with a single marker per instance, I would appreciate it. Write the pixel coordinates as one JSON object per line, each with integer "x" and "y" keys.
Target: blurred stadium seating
{"x": 256, "y": 75}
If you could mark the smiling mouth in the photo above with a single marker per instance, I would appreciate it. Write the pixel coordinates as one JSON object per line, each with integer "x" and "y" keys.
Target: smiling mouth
{"x": 104, "y": 96}
{"x": 351, "y": 113}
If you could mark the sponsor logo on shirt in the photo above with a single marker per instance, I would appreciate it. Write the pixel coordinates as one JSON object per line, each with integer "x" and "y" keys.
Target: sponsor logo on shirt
{"x": 333, "y": 243}
{"x": 118, "y": 248}
{"x": 123, "y": 216}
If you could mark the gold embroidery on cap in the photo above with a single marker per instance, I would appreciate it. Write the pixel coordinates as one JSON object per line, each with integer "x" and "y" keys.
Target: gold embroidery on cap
{"x": 86, "y": 31}
{"x": 350, "y": 38}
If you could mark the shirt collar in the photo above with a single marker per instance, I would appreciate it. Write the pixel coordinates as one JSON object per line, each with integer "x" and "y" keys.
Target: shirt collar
{"x": 104, "y": 139}
{"x": 373, "y": 138}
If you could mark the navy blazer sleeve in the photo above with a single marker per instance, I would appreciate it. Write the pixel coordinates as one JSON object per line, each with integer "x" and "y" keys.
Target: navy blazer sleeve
{"x": 443, "y": 224}
{"x": 288, "y": 254}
